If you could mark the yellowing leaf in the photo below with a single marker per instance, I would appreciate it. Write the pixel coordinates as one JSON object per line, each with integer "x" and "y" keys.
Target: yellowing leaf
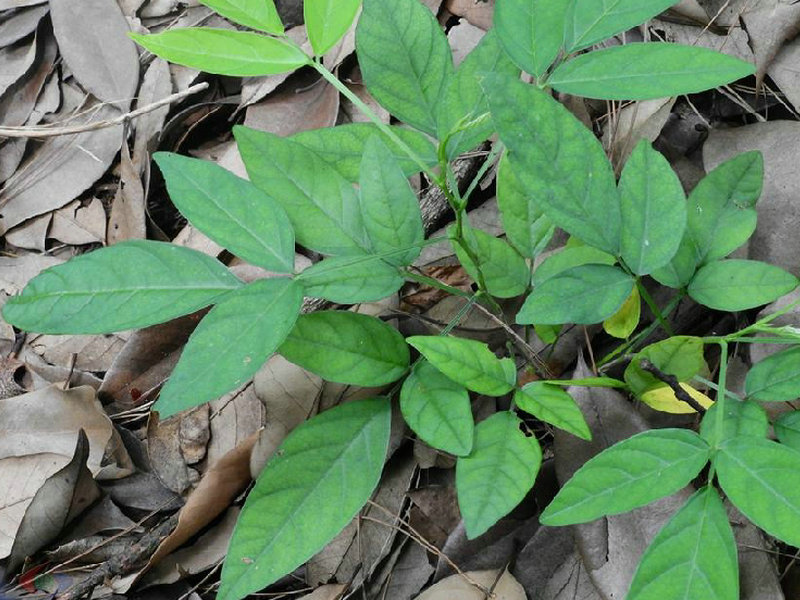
{"x": 622, "y": 323}
{"x": 663, "y": 399}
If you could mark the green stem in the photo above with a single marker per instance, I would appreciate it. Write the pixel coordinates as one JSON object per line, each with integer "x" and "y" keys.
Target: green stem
{"x": 435, "y": 283}
{"x": 719, "y": 407}
{"x": 497, "y": 148}
{"x": 653, "y": 307}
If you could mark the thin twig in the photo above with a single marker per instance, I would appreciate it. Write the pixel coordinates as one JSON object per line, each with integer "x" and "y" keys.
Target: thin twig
{"x": 52, "y": 131}
{"x": 672, "y": 381}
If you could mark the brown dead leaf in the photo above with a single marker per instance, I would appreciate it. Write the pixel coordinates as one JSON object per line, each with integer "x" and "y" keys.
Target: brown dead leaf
{"x": 17, "y": 104}
{"x": 403, "y": 574}
{"x": 326, "y": 592}
{"x": 462, "y": 39}
{"x": 81, "y": 352}
{"x": 311, "y": 103}
{"x": 128, "y": 211}
{"x": 257, "y": 88}
{"x": 636, "y": 121}
{"x": 502, "y": 583}
{"x": 167, "y": 447}
{"x": 77, "y": 224}
{"x": 234, "y": 417}
{"x": 156, "y": 85}
{"x": 770, "y": 23}
{"x": 477, "y": 13}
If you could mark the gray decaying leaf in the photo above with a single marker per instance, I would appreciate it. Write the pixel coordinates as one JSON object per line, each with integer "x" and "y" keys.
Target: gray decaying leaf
{"x": 92, "y": 37}
{"x": 21, "y": 23}
{"x": 770, "y": 23}
{"x": 77, "y": 224}
{"x": 502, "y": 584}
{"x": 156, "y": 85}
{"x": 171, "y": 450}
{"x": 477, "y": 13}
{"x": 637, "y": 121}
{"x": 234, "y": 417}
{"x": 142, "y": 491}
{"x": 403, "y": 574}
{"x": 791, "y": 318}
{"x": 758, "y": 575}
{"x": 128, "y": 210}
{"x": 14, "y": 63}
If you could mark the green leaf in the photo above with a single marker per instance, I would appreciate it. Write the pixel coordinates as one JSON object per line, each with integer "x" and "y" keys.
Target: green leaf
{"x": 787, "y": 428}
{"x": 589, "y": 382}
{"x": 289, "y": 515}
{"x": 468, "y": 362}
{"x": 497, "y": 474}
{"x": 258, "y": 14}
{"x": 582, "y": 295}
{"x": 526, "y": 226}
{"x": 680, "y": 270}
{"x": 722, "y": 216}
{"x": 230, "y": 210}
{"x": 679, "y": 355}
{"x": 653, "y": 210}
{"x": 643, "y": 71}
{"x": 568, "y": 258}
{"x": 342, "y": 147}
{"x": 741, "y": 418}
{"x": 389, "y": 206}
{"x": 776, "y": 378}
{"x": 346, "y": 347}
{"x": 437, "y": 409}
{"x": 125, "y": 286}
{"x": 738, "y": 284}
{"x": 550, "y": 403}
{"x": 761, "y": 478}
{"x": 351, "y": 279}
{"x": 327, "y": 21}
{"x": 231, "y": 343}
{"x": 504, "y": 271}
{"x": 630, "y": 474}
{"x": 623, "y": 322}
{"x": 693, "y": 556}
{"x": 405, "y": 59}
{"x": 322, "y": 206}
{"x": 224, "y": 52}
{"x": 590, "y": 21}
{"x": 558, "y": 161}
{"x": 464, "y": 101}
{"x": 532, "y": 31}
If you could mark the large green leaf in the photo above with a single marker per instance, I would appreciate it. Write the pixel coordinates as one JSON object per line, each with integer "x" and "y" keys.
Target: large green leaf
{"x": 258, "y": 14}
{"x": 125, "y": 286}
{"x": 347, "y": 347}
{"x": 437, "y": 409}
{"x": 316, "y": 482}
{"x": 679, "y": 355}
{"x": 653, "y": 210}
{"x": 776, "y": 378}
{"x": 761, "y": 478}
{"x": 342, "y": 147}
{"x": 693, "y": 556}
{"x": 224, "y": 52}
{"x": 231, "y": 343}
{"x": 642, "y": 71}
{"x": 497, "y": 474}
{"x": 583, "y": 295}
{"x": 230, "y": 210}
{"x": 722, "y": 216}
{"x": 741, "y": 418}
{"x": 787, "y": 429}
{"x": 738, "y": 284}
{"x": 322, "y": 206}
{"x": 468, "y": 362}
{"x": 389, "y": 207}
{"x": 553, "y": 405}
{"x": 405, "y": 59}
{"x": 464, "y": 100}
{"x": 504, "y": 271}
{"x": 351, "y": 279}
{"x": 630, "y": 474}
{"x": 592, "y": 21}
{"x": 558, "y": 161}
{"x": 526, "y": 226}
{"x": 568, "y": 258}
{"x": 327, "y": 21}
{"x": 531, "y": 31}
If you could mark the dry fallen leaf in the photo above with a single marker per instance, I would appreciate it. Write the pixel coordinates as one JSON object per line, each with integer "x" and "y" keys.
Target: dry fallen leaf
{"x": 15, "y": 62}
{"x": 167, "y": 450}
{"x": 76, "y": 224}
{"x": 636, "y": 121}
{"x": 477, "y": 13}
{"x": 128, "y": 211}
{"x": 502, "y": 583}
{"x": 20, "y": 24}
{"x": 326, "y": 592}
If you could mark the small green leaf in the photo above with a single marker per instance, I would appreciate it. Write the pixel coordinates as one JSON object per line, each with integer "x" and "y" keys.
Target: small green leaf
{"x": 342, "y": 147}
{"x": 787, "y": 428}
{"x": 630, "y": 474}
{"x": 405, "y": 59}
{"x": 761, "y": 478}
{"x": 437, "y": 409}
{"x": 231, "y": 343}
{"x": 653, "y": 210}
{"x": 582, "y": 295}
{"x": 722, "y": 216}
{"x": 558, "y": 160}
{"x": 468, "y": 362}
{"x": 776, "y": 378}
{"x": 590, "y": 21}
{"x": 693, "y": 556}
{"x": 322, "y": 206}
{"x": 504, "y": 271}
{"x": 230, "y": 210}
{"x": 351, "y": 279}
{"x": 346, "y": 347}
{"x": 680, "y": 270}
{"x": 738, "y": 284}
{"x": 497, "y": 474}
{"x": 551, "y": 404}
{"x": 680, "y": 355}
{"x": 289, "y": 515}
{"x": 568, "y": 258}
{"x": 389, "y": 206}
{"x": 532, "y": 32}
{"x": 526, "y": 226}
{"x": 224, "y": 52}
{"x": 589, "y": 382}
{"x": 547, "y": 333}
{"x": 741, "y": 418}
{"x": 327, "y": 21}
{"x": 258, "y": 14}
{"x": 643, "y": 71}
{"x": 125, "y": 286}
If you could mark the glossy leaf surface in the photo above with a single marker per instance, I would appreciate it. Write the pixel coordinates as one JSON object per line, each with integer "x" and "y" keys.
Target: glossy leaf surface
{"x": 551, "y": 404}
{"x": 739, "y": 284}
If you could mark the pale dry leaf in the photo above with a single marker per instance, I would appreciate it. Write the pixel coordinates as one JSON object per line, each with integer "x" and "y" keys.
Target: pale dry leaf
{"x": 477, "y": 13}
{"x": 83, "y": 352}
{"x": 193, "y": 238}
{"x": 103, "y": 517}
{"x": 234, "y": 417}
{"x": 770, "y": 24}
{"x": 77, "y": 224}
{"x": 143, "y": 491}
{"x": 165, "y": 448}
{"x": 311, "y": 104}
{"x": 691, "y": 9}
{"x": 16, "y": 105}
{"x": 17, "y": 271}
{"x": 9, "y": 4}
{"x": 256, "y": 88}
{"x": 31, "y": 234}
{"x": 734, "y": 42}
{"x": 403, "y": 574}
{"x": 156, "y": 85}
{"x": 502, "y": 583}
{"x": 11, "y": 153}
{"x": 287, "y": 391}
{"x": 635, "y": 122}
{"x": 128, "y": 211}
{"x": 333, "y": 591}
{"x": 463, "y": 38}
{"x": 20, "y": 24}
{"x": 348, "y": 111}
{"x": 758, "y": 573}
{"x": 49, "y": 100}
{"x": 15, "y": 61}
{"x": 784, "y": 72}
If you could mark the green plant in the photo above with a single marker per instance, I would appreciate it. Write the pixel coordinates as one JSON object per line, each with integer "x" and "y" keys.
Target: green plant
{"x": 552, "y": 172}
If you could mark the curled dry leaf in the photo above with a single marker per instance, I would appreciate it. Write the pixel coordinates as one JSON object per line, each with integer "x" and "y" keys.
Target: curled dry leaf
{"x": 502, "y": 583}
